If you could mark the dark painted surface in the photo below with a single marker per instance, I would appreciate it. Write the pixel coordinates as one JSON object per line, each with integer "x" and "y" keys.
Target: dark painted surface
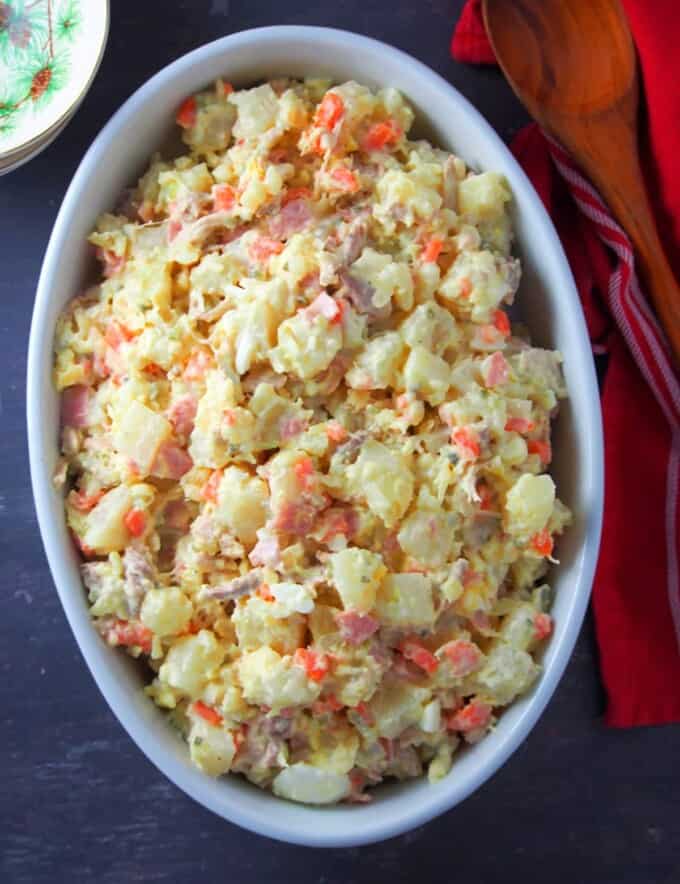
{"x": 78, "y": 802}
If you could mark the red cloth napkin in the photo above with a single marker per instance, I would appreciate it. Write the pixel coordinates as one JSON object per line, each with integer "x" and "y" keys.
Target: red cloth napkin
{"x": 636, "y": 596}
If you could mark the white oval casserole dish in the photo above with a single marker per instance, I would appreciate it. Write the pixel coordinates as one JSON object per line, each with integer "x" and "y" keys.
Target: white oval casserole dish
{"x": 548, "y": 302}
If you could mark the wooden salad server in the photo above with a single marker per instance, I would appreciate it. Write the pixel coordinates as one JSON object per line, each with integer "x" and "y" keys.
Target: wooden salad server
{"x": 572, "y": 64}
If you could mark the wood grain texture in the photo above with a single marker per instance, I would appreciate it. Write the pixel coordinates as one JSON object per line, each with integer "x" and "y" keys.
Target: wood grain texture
{"x": 573, "y": 66}
{"x": 79, "y": 803}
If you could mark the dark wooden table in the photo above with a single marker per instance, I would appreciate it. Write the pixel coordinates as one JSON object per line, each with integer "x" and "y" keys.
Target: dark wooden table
{"x": 78, "y": 801}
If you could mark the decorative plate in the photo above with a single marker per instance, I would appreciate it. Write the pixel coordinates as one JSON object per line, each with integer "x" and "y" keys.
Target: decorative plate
{"x": 49, "y": 53}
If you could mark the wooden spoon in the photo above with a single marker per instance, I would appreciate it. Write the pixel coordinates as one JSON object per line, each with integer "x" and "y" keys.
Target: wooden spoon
{"x": 573, "y": 66}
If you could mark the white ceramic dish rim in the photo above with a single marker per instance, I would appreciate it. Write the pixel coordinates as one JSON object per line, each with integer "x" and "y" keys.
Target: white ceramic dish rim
{"x": 401, "y": 807}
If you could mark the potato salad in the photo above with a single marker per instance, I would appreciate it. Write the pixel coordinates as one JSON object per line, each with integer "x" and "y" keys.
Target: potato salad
{"x": 304, "y": 449}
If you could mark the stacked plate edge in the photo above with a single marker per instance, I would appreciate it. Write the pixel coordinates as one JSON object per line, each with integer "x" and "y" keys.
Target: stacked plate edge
{"x": 50, "y": 51}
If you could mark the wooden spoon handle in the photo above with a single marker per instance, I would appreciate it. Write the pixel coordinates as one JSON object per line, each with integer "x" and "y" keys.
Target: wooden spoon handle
{"x": 624, "y": 192}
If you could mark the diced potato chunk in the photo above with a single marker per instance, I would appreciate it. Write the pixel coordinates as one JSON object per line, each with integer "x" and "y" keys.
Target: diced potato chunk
{"x": 306, "y": 347}
{"x": 242, "y": 503}
{"x": 140, "y": 434}
{"x": 356, "y": 678}
{"x": 259, "y": 622}
{"x": 415, "y": 195}
{"x": 191, "y": 662}
{"x": 397, "y": 706}
{"x": 405, "y": 600}
{"x": 507, "y": 673}
{"x": 106, "y": 531}
{"x": 482, "y": 197}
{"x": 214, "y": 273}
{"x": 273, "y": 414}
{"x": 208, "y": 448}
{"x": 166, "y": 611}
{"x": 384, "y": 479}
{"x": 334, "y": 750}
{"x": 246, "y": 334}
{"x": 426, "y": 536}
{"x": 356, "y": 574}
{"x": 293, "y": 598}
{"x": 427, "y": 375}
{"x": 430, "y": 326}
{"x": 518, "y": 626}
{"x": 529, "y": 504}
{"x": 152, "y": 283}
{"x": 478, "y": 282}
{"x": 212, "y": 748}
{"x": 257, "y": 110}
{"x": 268, "y": 679}
{"x": 376, "y": 365}
{"x": 310, "y": 785}
{"x": 284, "y": 486}
{"x": 388, "y": 278}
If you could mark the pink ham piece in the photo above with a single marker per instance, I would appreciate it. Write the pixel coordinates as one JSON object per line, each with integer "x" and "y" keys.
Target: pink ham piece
{"x": 359, "y": 292}
{"x": 171, "y": 462}
{"x": 74, "y": 406}
{"x": 266, "y": 551}
{"x": 354, "y": 241}
{"x": 356, "y": 628}
{"x": 139, "y": 577}
{"x": 112, "y": 263}
{"x": 234, "y": 589}
{"x": 296, "y": 518}
{"x": 292, "y": 217}
{"x": 324, "y": 305}
{"x": 289, "y": 427}
{"x": 391, "y": 550}
{"x": 337, "y": 520}
{"x": 496, "y": 370}
{"x": 182, "y": 414}
{"x": 279, "y": 725}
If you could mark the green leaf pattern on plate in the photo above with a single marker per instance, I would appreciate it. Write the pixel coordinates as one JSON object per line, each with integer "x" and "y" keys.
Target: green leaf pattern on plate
{"x": 34, "y": 43}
